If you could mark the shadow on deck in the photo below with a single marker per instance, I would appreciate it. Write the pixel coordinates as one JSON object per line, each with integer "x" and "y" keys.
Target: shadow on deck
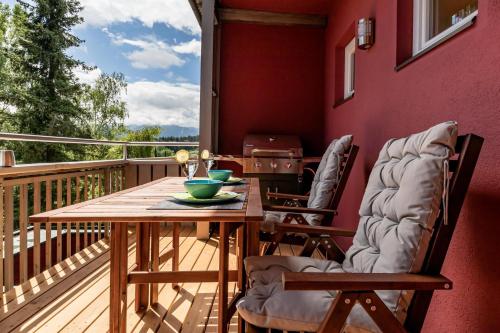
{"x": 73, "y": 296}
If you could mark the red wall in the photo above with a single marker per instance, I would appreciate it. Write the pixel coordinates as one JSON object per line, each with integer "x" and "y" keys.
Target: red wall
{"x": 459, "y": 80}
{"x": 271, "y": 82}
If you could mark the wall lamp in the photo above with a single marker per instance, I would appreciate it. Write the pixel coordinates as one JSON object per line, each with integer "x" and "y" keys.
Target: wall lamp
{"x": 366, "y": 33}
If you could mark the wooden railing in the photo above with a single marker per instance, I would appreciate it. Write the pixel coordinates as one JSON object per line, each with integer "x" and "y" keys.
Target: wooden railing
{"x": 34, "y": 188}
{"x": 31, "y": 189}
{"x": 27, "y": 250}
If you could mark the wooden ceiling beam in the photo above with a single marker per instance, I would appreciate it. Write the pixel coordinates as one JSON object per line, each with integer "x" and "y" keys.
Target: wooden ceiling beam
{"x": 270, "y": 18}
{"x": 196, "y": 10}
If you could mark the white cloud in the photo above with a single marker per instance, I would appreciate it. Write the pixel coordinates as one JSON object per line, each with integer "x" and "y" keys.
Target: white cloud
{"x": 163, "y": 103}
{"x": 175, "y": 13}
{"x": 154, "y": 53}
{"x": 191, "y": 47}
{"x": 87, "y": 77}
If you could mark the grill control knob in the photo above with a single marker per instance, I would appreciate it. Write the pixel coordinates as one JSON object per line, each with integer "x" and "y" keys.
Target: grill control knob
{"x": 273, "y": 165}
{"x": 258, "y": 164}
{"x": 288, "y": 165}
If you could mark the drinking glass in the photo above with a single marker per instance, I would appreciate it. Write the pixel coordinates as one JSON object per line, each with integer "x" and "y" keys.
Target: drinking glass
{"x": 209, "y": 163}
{"x": 192, "y": 166}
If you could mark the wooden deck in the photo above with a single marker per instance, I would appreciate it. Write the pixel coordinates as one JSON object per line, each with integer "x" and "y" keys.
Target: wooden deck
{"x": 74, "y": 295}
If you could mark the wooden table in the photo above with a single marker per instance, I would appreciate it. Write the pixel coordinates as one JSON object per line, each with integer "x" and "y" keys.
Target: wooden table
{"x": 131, "y": 206}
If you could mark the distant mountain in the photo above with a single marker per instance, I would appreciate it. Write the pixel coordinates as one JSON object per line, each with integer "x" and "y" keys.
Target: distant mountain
{"x": 171, "y": 130}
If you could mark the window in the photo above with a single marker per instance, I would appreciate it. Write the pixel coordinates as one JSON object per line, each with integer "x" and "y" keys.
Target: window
{"x": 349, "y": 69}
{"x": 436, "y": 20}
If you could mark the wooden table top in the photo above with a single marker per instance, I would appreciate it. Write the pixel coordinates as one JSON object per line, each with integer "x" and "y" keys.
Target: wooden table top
{"x": 132, "y": 205}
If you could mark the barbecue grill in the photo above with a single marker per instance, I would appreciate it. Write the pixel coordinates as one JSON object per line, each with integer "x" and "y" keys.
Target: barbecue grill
{"x": 277, "y": 160}
{"x": 272, "y": 154}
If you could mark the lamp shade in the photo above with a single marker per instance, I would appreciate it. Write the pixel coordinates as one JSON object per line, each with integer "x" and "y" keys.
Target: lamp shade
{"x": 366, "y": 35}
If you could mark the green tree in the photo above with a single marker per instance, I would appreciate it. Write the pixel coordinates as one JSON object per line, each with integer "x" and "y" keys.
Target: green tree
{"x": 11, "y": 31}
{"x": 4, "y": 24}
{"x": 143, "y": 134}
{"x": 50, "y": 104}
{"x": 105, "y": 111}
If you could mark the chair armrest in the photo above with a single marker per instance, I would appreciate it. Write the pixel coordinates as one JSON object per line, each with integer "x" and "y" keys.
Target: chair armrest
{"x": 316, "y": 230}
{"x": 300, "y": 210}
{"x": 276, "y": 195}
{"x": 364, "y": 281}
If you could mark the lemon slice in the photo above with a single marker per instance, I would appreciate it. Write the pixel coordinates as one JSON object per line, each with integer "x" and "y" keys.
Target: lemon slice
{"x": 182, "y": 156}
{"x": 205, "y": 154}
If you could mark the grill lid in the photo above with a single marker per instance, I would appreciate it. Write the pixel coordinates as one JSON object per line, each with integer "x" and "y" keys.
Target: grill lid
{"x": 258, "y": 145}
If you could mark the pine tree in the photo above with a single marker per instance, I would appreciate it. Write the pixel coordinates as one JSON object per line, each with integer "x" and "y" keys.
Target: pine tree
{"x": 48, "y": 102}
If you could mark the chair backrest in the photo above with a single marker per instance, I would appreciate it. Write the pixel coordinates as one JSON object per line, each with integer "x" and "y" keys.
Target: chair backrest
{"x": 346, "y": 164}
{"x": 330, "y": 178}
{"x": 400, "y": 207}
{"x": 462, "y": 168}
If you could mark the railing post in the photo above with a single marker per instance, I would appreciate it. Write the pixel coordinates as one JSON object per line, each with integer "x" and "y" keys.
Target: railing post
{"x": 1, "y": 234}
{"x": 125, "y": 152}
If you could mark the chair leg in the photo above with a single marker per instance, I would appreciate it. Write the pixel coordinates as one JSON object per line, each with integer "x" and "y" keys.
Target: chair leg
{"x": 331, "y": 249}
{"x": 273, "y": 245}
{"x": 338, "y": 312}
{"x": 380, "y": 314}
{"x": 309, "y": 247}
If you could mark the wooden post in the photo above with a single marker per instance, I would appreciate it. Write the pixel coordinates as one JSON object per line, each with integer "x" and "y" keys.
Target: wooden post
{"x": 23, "y": 232}
{"x": 206, "y": 88}
{"x": 68, "y": 225}
{"x": 1, "y": 233}
{"x": 36, "y": 227}
{"x": 155, "y": 259}
{"x": 59, "y": 225}
{"x": 9, "y": 241}
{"x": 207, "y": 119}
{"x": 48, "y": 226}
{"x": 85, "y": 198}
{"x": 92, "y": 196}
{"x": 175, "y": 245}
{"x": 78, "y": 225}
{"x": 142, "y": 262}
{"x": 118, "y": 279}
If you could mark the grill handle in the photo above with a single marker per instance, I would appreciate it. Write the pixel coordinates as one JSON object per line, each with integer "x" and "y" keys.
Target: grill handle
{"x": 256, "y": 151}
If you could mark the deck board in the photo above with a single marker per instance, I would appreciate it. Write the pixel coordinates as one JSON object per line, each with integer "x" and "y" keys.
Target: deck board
{"x": 75, "y": 296}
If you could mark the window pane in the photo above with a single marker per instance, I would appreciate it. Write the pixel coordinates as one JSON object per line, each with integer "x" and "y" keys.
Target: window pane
{"x": 445, "y": 13}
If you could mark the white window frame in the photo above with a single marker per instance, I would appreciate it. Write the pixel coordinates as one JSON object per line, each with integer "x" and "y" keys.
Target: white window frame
{"x": 349, "y": 68}
{"x": 421, "y": 16}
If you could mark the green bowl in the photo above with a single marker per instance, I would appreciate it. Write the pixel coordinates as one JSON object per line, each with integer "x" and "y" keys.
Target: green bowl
{"x": 203, "y": 188}
{"x": 222, "y": 175}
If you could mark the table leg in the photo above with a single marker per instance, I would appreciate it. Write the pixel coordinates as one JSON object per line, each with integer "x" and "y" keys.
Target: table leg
{"x": 242, "y": 253}
{"x": 142, "y": 261}
{"x": 118, "y": 278}
{"x": 253, "y": 230}
{"x": 175, "y": 245}
{"x": 123, "y": 276}
{"x": 203, "y": 230}
{"x": 155, "y": 260}
{"x": 223, "y": 320}
{"x": 242, "y": 279}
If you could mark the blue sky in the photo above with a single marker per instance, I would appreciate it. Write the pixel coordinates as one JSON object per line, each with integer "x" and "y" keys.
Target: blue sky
{"x": 156, "y": 44}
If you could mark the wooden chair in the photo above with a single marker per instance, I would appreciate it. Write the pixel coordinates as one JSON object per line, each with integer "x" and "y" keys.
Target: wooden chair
{"x": 360, "y": 287}
{"x": 295, "y": 213}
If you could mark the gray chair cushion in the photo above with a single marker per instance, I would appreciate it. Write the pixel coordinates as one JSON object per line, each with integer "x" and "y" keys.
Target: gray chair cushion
{"x": 400, "y": 205}
{"x": 268, "y": 305}
{"x": 327, "y": 176}
{"x": 397, "y": 214}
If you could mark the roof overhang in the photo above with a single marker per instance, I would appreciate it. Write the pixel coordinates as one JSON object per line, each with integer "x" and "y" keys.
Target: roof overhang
{"x": 256, "y": 13}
